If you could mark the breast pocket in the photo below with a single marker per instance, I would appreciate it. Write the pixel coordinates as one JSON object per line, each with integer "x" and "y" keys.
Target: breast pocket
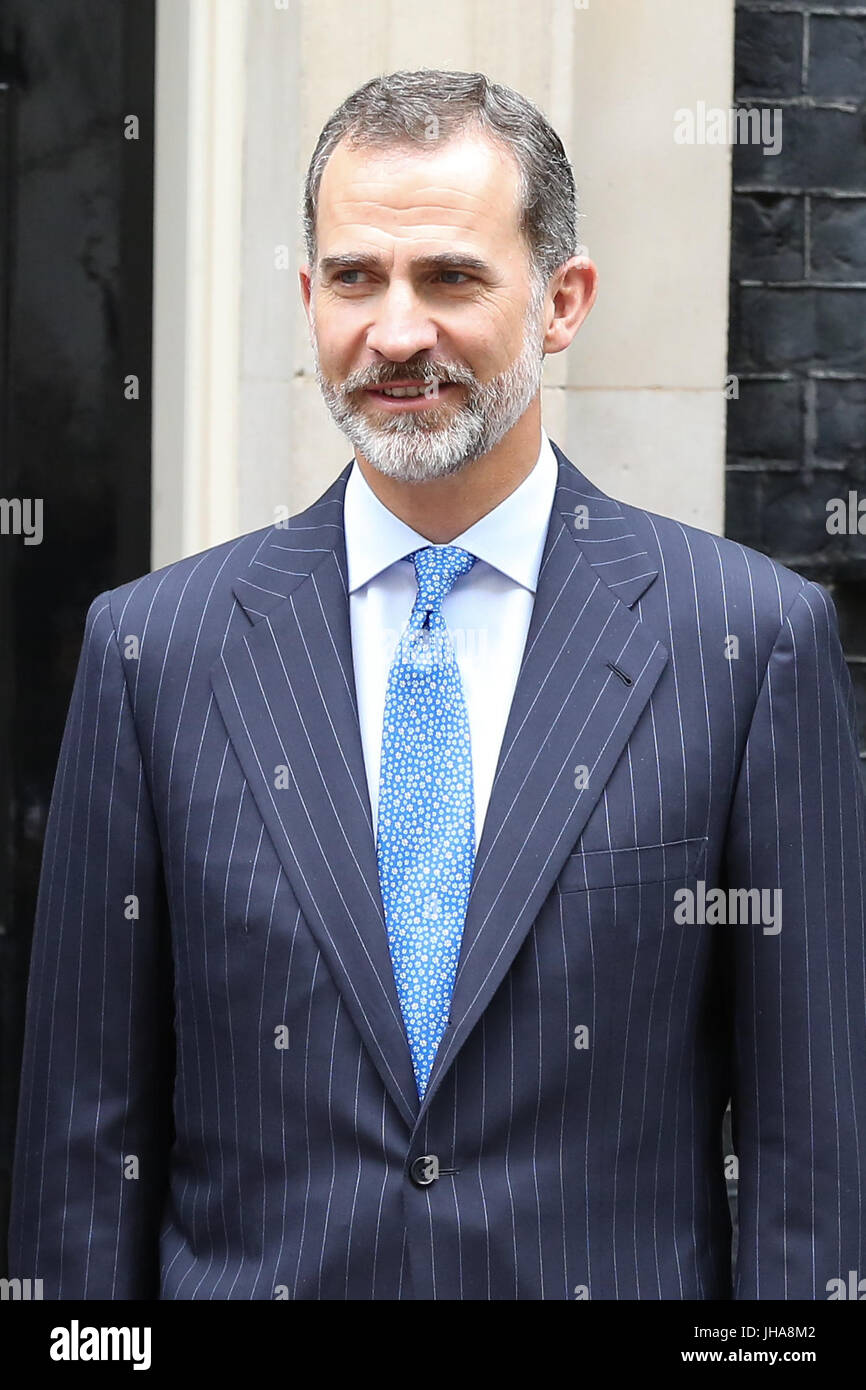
{"x": 672, "y": 861}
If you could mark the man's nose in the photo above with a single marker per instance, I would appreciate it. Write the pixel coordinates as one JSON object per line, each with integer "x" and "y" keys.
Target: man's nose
{"x": 402, "y": 326}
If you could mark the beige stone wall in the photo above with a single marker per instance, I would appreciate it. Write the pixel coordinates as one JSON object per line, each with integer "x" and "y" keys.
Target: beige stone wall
{"x": 637, "y": 401}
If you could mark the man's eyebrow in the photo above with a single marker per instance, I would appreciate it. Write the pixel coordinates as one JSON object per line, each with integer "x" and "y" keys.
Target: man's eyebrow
{"x": 442, "y": 260}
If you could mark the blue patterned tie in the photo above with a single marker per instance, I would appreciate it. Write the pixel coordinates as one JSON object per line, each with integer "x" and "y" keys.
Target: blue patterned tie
{"x": 426, "y": 827}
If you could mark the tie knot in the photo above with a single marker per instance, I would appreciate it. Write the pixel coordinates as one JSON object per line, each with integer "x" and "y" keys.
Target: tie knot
{"x": 436, "y": 569}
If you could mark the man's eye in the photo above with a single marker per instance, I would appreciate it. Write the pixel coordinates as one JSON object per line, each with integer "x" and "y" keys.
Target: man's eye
{"x": 341, "y": 274}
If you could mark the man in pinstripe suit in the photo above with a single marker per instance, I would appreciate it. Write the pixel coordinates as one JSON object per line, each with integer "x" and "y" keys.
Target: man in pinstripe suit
{"x": 218, "y": 1096}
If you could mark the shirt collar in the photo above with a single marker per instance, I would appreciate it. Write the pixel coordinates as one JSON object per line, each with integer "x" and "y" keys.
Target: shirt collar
{"x": 511, "y": 537}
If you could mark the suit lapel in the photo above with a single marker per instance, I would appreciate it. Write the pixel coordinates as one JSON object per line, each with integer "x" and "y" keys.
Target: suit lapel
{"x": 286, "y": 691}
{"x": 570, "y": 712}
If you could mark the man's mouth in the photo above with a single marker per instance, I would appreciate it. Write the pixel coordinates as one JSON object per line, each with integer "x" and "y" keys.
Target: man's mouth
{"x": 400, "y": 390}
{"x": 411, "y": 391}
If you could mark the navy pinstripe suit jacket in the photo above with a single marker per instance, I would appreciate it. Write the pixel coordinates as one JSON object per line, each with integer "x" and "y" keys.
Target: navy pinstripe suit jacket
{"x": 217, "y": 1096}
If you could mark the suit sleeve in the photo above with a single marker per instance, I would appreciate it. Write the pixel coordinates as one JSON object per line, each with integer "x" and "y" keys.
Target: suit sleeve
{"x": 95, "y": 1105}
{"x": 798, "y": 1085}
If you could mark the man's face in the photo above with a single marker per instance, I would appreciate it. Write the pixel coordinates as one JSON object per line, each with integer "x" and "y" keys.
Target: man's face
{"x": 465, "y": 329}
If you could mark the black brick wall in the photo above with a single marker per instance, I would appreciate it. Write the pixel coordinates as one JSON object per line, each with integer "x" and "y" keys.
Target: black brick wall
{"x": 797, "y": 432}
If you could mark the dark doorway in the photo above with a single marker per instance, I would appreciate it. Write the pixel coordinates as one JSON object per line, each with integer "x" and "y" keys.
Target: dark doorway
{"x": 76, "y": 243}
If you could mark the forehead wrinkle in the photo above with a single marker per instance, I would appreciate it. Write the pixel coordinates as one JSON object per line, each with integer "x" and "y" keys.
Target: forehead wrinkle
{"x": 417, "y": 222}
{"x": 432, "y": 190}
{"x": 451, "y": 234}
{"x": 412, "y": 209}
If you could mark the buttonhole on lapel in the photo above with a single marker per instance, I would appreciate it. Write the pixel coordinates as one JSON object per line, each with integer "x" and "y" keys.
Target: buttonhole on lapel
{"x": 612, "y": 666}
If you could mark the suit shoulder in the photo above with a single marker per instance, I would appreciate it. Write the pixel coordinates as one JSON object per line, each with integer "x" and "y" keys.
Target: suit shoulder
{"x": 189, "y": 583}
{"x": 204, "y": 581}
{"x": 695, "y": 565}
{"x": 697, "y": 560}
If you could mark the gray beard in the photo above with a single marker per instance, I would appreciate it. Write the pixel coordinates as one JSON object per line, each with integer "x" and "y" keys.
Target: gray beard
{"x": 441, "y": 439}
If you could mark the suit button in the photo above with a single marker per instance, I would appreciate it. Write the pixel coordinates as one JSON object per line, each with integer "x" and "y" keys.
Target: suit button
{"x": 424, "y": 1170}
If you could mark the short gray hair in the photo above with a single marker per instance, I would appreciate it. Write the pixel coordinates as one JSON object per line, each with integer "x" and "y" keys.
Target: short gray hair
{"x": 400, "y": 108}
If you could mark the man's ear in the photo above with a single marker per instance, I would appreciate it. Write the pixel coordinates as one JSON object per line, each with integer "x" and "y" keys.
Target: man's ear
{"x": 572, "y": 290}
{"x": 306, "y": 286}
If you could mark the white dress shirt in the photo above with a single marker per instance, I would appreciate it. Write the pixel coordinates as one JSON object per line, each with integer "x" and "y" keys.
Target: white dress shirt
{"x": 487, "y": 612}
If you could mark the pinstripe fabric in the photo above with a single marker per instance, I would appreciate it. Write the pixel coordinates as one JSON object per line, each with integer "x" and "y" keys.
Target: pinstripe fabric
{"x": 217, "y": 1097}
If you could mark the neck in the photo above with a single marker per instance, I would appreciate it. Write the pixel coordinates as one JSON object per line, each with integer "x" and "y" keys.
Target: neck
{"x": 444, "y": 508}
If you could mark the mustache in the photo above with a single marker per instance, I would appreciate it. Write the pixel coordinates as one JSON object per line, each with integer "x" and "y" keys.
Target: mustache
{"x": 420, "y": 374}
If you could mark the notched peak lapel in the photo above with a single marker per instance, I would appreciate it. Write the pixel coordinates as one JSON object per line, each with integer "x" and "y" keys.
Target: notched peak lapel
{"x": 601, "y": 529}
{"x": 289, "y": 553}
